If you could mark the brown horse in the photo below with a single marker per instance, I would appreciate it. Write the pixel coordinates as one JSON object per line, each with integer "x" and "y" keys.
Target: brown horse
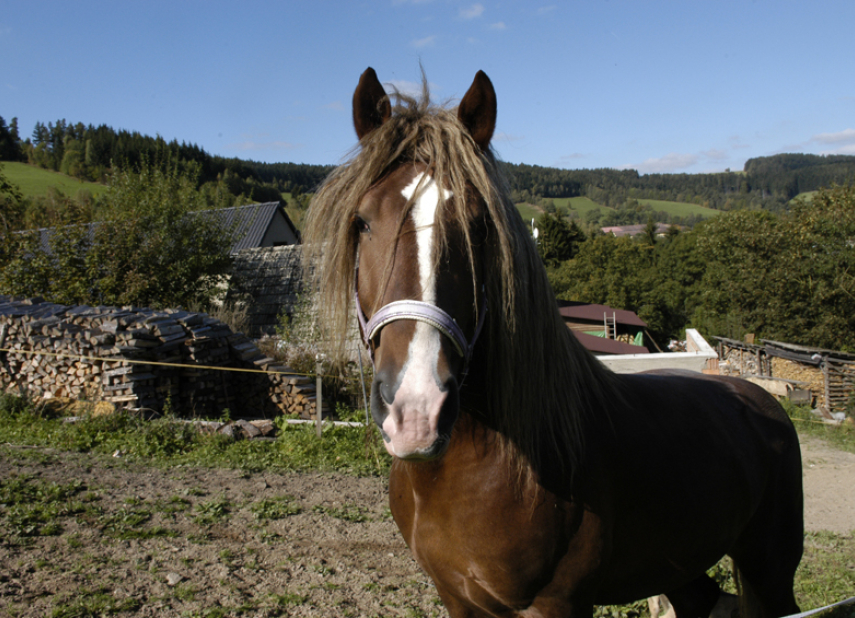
{"x": 528, "y": 480}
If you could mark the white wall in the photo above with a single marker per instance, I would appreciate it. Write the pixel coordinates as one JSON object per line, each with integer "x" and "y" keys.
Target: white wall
{"x": 695, "y": 360}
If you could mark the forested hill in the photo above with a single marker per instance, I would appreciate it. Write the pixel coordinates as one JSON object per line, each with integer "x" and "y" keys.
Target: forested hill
{"x": 766, "y": 182}
{"x": 90, "y": 152}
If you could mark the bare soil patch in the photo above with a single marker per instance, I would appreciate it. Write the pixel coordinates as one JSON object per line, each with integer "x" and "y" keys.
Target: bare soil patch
{"x": 140, "y": 541}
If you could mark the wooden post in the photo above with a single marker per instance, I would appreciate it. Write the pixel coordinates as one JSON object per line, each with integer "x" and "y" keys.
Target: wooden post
{"x": 319, "y": 402}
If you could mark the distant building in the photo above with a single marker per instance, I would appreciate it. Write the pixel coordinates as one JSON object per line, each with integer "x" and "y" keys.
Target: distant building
{"x": 635, "y": 230}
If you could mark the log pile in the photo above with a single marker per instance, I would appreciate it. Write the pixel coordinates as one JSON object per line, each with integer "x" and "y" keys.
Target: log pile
{"x": 791, "y": 370}
{"x": 130, "y": 357}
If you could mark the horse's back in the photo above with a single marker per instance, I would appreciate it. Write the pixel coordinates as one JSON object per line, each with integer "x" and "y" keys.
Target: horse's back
{"x": 689, "y": 453}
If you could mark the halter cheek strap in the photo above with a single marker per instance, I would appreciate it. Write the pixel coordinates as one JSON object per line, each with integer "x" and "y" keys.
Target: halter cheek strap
{"x": 419, "y": 311}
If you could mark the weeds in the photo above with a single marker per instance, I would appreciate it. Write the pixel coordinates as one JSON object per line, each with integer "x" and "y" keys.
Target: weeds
{"x": 840, "y": 436}
{"x": 212, "y": 511}
{"x": 275, "y": 508}
{"x": 31, "y": 508}
{"x": 347, "y": 512}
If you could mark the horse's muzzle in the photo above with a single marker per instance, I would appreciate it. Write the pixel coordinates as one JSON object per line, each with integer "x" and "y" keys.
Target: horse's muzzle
{"x": 415, "y": 416}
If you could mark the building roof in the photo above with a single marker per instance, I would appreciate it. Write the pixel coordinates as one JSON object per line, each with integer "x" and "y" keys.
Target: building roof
{"x": 595, "y": 313}
{"x": 251, "y": 222}
{"x": 601, "y": 345}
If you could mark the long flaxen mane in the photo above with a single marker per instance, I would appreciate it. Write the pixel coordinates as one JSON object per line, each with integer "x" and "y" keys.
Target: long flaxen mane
{"x": 541, "y": 379}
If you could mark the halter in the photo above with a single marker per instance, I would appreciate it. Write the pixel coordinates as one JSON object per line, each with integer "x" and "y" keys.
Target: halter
{"x": 419, "y": 311}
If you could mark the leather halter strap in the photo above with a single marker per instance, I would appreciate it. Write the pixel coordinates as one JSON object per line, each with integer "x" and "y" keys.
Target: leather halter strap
{"x": 419, "y": 311}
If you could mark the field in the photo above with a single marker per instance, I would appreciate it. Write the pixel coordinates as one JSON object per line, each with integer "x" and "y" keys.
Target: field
{"x": 97, "y": 522}
{"x": 680, "y": 209}
{"x": 582, "y": 205}
{"x": 34, "y": 181}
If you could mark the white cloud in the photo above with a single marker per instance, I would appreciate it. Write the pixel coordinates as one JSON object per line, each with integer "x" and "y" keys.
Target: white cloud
{"x": 499, "y": 25}
{"x": 715, "y": 154}
{"x": 425, "y": 42}
{"x": 335, "y": 105}
{"x": 476, "y": 10}
{"x": 663, "y": 165}
{"x": 848, "y": 149}
{"x": 847, "y": 135}
{"x": 546, "y": 9}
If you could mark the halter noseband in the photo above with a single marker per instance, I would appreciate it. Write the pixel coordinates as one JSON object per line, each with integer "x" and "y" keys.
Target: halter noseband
{"x": 419, "y": 311}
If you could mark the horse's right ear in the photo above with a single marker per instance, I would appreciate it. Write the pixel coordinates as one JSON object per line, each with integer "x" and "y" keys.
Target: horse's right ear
{"x": 371, "y": 106}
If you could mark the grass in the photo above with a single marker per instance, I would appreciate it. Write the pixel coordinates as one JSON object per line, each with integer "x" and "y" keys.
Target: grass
{"x": 35, "y": 181}
{"x": 581, "y": 205}
{"x": 168, "y": 442}
{"x": 529, "y": 212}
{"x": 841, "y": 437}
{"x": 680, "y": 209}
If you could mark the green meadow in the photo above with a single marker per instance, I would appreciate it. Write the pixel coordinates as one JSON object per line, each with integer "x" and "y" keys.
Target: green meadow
{"x": 681, "y": 209}
{"x": 35, "y": 181}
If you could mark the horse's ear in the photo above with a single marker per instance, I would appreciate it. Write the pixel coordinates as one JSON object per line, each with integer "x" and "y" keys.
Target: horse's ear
{"x": 371, "y": 106}
{"x": 477, "y": 110}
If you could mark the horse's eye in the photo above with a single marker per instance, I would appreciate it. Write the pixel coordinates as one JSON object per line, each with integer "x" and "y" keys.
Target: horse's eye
{"x": 361, "y": 225}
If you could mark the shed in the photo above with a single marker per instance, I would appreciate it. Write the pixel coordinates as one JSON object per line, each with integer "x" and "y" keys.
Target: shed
{"x": 829, "y": 374}
{"x": 602, "y": 321}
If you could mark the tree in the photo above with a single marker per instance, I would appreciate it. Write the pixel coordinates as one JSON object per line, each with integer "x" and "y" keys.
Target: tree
{"x": 558, "y": 240}
{"x": 10, "y": 147}
{"x": 788, "y": 278}
{"x": 11, "y": 209}
{"x": 149, "y": 250}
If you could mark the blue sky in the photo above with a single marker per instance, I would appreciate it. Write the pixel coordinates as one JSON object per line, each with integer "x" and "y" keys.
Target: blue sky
{"x": 691, "y": 86}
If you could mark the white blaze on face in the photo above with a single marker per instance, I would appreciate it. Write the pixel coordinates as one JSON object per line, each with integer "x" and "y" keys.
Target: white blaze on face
{"x": 412, "y": 421}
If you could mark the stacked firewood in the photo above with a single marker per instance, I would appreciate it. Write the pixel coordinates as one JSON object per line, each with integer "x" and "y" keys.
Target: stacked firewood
{"x": 141, "y": 358}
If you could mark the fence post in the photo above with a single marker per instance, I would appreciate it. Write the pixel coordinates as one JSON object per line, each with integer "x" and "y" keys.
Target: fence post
{"x": 319, "y": 400}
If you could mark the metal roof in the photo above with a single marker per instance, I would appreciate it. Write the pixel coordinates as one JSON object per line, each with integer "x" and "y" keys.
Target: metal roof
{"x": 595, "y": 313}
{"x": 251, "y": 224}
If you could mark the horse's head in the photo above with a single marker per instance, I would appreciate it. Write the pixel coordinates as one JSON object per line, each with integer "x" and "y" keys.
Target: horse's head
{"x": 419, "y": 285}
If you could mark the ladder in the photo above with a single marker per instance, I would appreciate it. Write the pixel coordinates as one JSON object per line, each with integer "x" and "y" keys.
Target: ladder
{"x": 610, "y": 325}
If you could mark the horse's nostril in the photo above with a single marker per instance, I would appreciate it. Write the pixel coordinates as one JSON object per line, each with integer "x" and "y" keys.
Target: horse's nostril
{"x": 387, "y": 393}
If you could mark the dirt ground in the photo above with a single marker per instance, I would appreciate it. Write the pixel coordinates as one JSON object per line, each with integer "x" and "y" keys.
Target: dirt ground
{"x": 209, "y": 542}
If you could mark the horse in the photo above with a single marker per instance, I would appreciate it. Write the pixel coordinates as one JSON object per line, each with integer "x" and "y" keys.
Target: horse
{"x": 528, "y": 479}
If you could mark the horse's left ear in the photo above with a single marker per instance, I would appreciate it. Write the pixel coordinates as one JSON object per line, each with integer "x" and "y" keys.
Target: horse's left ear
{"x": 371, "y": 106}
{"x": 477, "y": 110}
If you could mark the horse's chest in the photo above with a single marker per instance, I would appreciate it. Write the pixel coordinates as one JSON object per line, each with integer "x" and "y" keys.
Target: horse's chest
{"x": 479, "y": 539}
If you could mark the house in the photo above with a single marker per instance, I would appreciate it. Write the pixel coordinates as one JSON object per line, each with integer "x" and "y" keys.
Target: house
{"x": 635, "y": 230}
